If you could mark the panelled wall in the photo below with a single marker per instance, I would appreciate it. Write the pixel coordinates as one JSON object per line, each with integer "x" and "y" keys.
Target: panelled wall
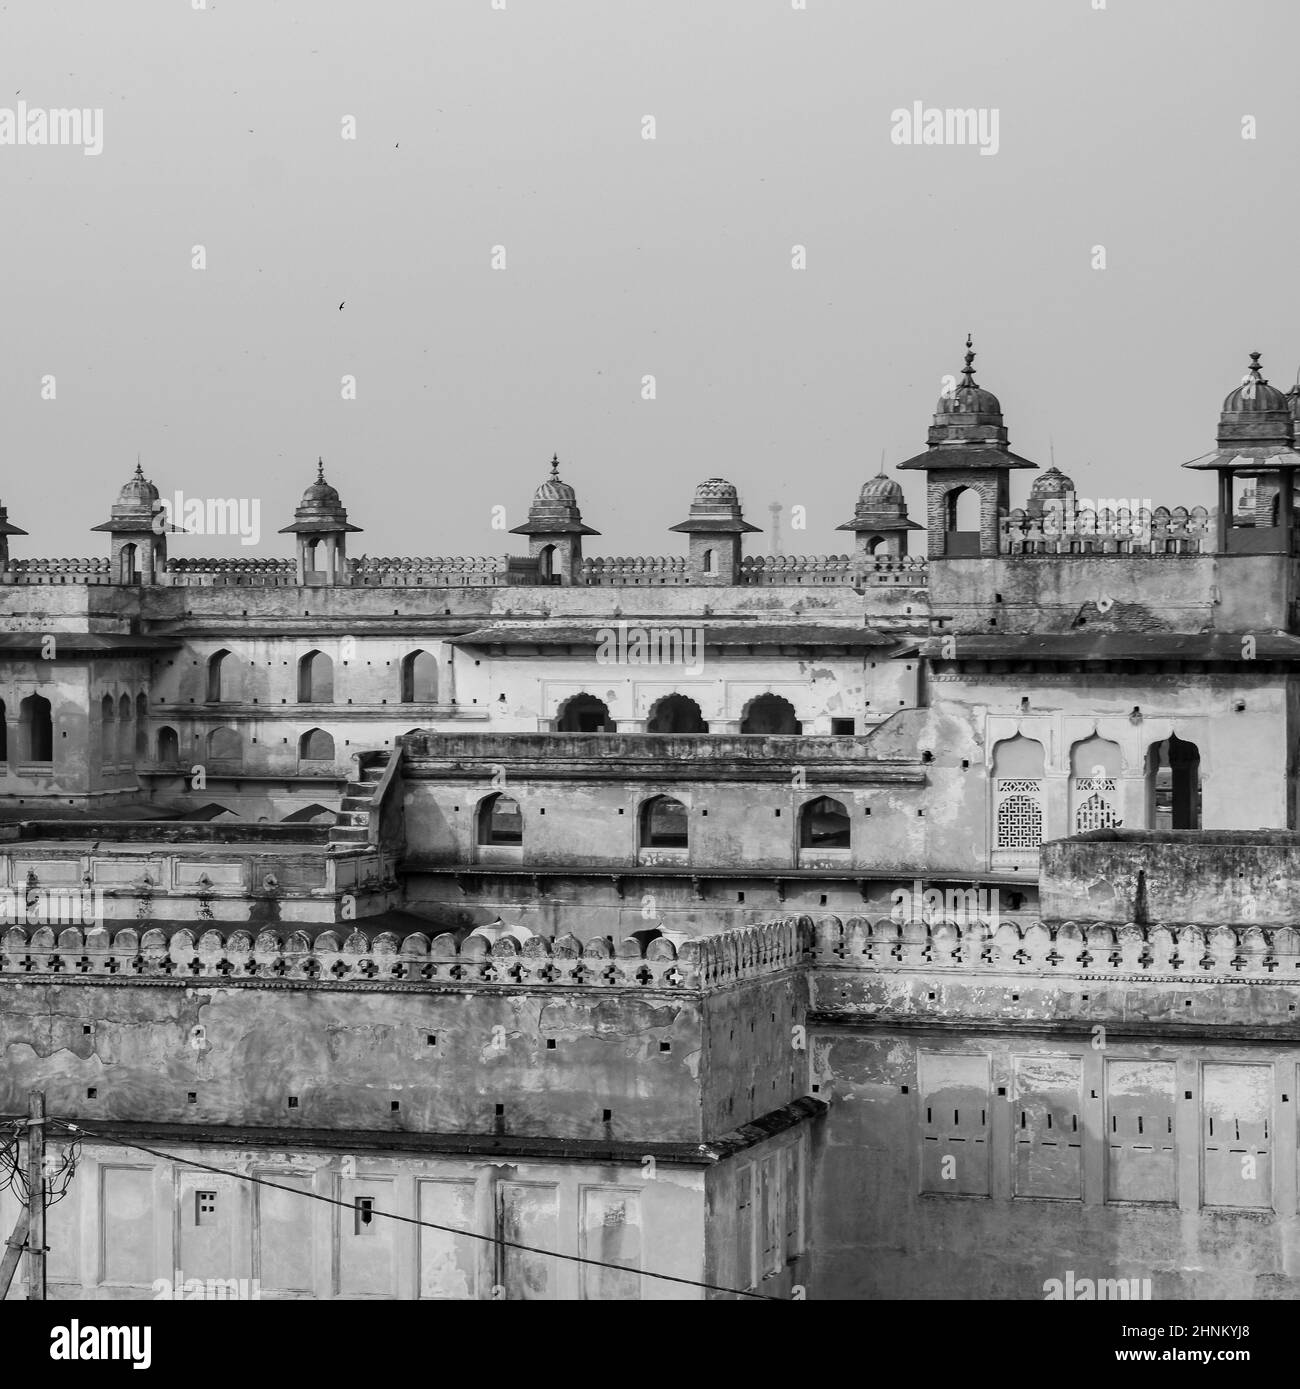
{"x": 983, "y": 1166}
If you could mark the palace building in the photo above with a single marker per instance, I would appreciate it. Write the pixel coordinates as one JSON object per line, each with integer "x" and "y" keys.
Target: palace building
{"x": 848, "y": 926}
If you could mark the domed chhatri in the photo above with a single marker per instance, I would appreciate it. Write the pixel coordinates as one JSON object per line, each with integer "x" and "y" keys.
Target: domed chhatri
{"x": 967, "y": 450}
{"x": 1052, "y": 483}
{"x": 1254, "y": 395}
{"x": 555, "y": 529}
{"x": 139, "y": 530}
{"x": 715, "y": 526}
{"x": 1256, "y": 440}
{"x": 880, "y": 520}
{"x": 716, "y": 489}
{"x": 968, "y": 398}
{"x": 555, "y": 489}
{"x": 138, "y": 491}
{"x": 320, "y": 521}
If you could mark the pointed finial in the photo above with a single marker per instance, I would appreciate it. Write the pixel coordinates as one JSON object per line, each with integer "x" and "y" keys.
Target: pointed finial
{"x": 555, "y": 465}
{"x": 139, "y": 471}
{"x": 320, "y": 469}
{"x": 968, "y": 371}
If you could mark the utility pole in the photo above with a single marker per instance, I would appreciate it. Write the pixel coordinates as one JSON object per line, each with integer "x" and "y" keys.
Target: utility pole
{"x": 36, "y": 1196}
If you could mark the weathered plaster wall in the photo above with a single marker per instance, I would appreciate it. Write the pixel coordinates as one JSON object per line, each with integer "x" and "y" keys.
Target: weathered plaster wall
{"x": 347, "y": 1054}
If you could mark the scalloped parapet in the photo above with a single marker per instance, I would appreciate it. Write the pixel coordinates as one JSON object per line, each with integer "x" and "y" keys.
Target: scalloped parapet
{"x": 58, "y": 571}
{"x": 847, "y": 571}
{"x": 336, "y": 957}
{"x": 1188, "y": 953}
{"x": 1110, "y": 532}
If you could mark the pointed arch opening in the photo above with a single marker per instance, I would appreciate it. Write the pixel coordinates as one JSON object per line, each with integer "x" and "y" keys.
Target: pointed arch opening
{"x": 676, "y": 713}
{"x": 224, "y": 745}
{"x": 125, "y": 731}
{"x": 315, "y": 679}
{"x": 500, "y": 823}
{"x": 771, "y": 714}
{"x": 169, "y": 745}
{"x": 1018, "y": 766}
{"x": 316, "y": 746}
{"x": 663, "y": 824}
{"x": 36, "y": 729}
{"x": 217, "y": 673}
{"x": 1174, "y": 784}
{"x": 824, "y": 824}
{"x": 584, "y": 713}
{"x": 419, "y": 678}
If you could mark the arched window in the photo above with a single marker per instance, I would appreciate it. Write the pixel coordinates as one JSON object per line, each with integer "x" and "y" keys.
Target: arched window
{"x": 663, "y": 824}
{"x": 1174, "y": 785}
{"x": 316, "y": 746}
{"x": 676, "y": 713}
{"x": 169, "y": 745}
{"x": 546, "y": 563}
{"x": 1094, "y": 786}
{"x": 824, "y": 824}
{"x": 500, "y": 821}
{"x": 584, "y": 713}
{"x": 216, "y": 663}
{"x": 961, "y": 514}
{"x": 141, "y": 727}
{"x": 36, "y": 727}
{"x": 710, "y": 562}
{"x": 419, "y": 678}
{"x": 316, "y": 679}
{"x": 108, "y": 731}
{"x": 128, "y": 565}
{"x": 125, "y": 732}
{"x": 223, "y": 745}
{"x": 1018, "y": 795}
{"x": 770, "y": 713}
{"x": 874, "y": 543}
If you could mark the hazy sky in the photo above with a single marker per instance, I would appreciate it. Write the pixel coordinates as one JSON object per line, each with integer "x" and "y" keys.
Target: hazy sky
{"x": 522, "y": 127}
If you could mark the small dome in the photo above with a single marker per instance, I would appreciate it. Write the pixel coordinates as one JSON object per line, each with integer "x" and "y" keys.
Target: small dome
{"x": 1052, "y": 483}
{"x": 969, "y": 400}
{"x": 139, "y": 491}
{"x": 881, "y": 488}
{"x": 1254, "y": 394}
{"x": 715, "y": 489}
{"x": 553, "y": 489}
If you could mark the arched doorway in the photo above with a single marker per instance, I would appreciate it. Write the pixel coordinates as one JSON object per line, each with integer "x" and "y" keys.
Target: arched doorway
{"x": 1174, "y": 785}
{"x": 584, "y": 713}
{"x": 770, "y": 713}
{"x": 676, "y": 713}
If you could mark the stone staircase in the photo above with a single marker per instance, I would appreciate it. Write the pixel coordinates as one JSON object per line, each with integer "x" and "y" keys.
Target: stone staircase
{"x": 360, "y": 804}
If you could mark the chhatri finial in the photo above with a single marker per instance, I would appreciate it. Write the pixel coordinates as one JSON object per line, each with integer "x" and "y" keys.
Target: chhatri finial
{"x": 555, "y": 466}
{"x": 320, "y": 469}
{"x": 968, "y": 371}
{"x": 1254, "y": 367}
{"x": 139, "y": 471}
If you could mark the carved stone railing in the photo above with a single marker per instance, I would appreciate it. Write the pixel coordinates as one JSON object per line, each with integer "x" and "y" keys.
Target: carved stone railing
{"x": 853, "y": 571}
{"x": 649, "y": 748}
{"x": 249, "y": 571}
{"x": 1186, "y": 953}
{"x": 58, "y": 571}
{"x": 462, "y": 571}
{"x": 656, "y": 570}
{"x": 1106, "y": 532}
{"x": 334, "y": 958}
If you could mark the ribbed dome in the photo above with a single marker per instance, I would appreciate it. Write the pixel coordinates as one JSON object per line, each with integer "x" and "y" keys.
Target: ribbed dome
{"x": 321, "y": 493}
{"x": 1254, "y": 395}
{"x": 880, "y": 489}
{"x": 1052, "y": 483}
{"x": 139, "y": 491}
{"x": 969, "y": 400}
{"x": 715, "y": 489}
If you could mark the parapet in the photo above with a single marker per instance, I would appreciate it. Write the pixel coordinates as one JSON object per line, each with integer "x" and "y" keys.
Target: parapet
{"x": 387, "y": 960}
